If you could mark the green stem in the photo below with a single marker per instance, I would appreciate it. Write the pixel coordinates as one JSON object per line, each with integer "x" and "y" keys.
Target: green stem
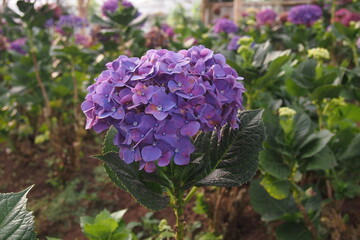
{"x": 179, "y": 214}
{"x": 190, "y": 195}
{"x": 355, "y": 54}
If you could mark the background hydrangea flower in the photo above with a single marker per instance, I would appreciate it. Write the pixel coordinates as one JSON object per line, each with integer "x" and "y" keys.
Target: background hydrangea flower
{"x": 345, "y": 16}
{"x": 319, "y": 53}
{"x": 18, "y": 45}
{"x": 68, "y": 23}
{"x": 168, "y": 30}
{"x": 305, "y": 14}
{"x": 266, "y": 17}
{"x": 109, "y": 6}
{"x": 234, "y": 43}
{"x": 225, "y": 25}
{"x": 158, "y": 102}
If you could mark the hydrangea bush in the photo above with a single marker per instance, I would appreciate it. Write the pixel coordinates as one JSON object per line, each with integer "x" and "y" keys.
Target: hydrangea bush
{"x": 176, "y": 116}
{"x": 305, "y": 14}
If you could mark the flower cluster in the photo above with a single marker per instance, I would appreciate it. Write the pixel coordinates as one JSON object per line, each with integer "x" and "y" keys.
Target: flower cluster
{"x": 234, "y": 43}
{"x": 345, "y": 16}
{"x": 83, "y": 40}
{"x": 319, "y": 53}
{"x": 168, "y": 30}
{"x": 68, "y": 23}
{"x": 111, "y": 6}
{"x": 159, "y": 101}
{"x": 266, "y": 17}
{"x": 18, "y": 46}
{"x": 225, "y": 25}
{"x": 305, "y": 14}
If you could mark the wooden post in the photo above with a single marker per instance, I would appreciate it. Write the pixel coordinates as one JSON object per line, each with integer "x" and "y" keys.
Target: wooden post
{"x": 238, "y": 8}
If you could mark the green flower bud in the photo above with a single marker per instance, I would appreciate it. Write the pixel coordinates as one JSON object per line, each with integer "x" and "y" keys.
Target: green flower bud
{"x": 319, "y": 53}
{"x": 287, "y": 112}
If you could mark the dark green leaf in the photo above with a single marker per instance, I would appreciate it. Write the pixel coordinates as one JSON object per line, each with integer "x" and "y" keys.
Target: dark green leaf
{"x": 314, "y": 143}
{"x": 304, "y": 75}
{"x": 234, "y": 159}
{"x": 16, "y": 223}
{"x": 273, "y": 70}
{"x": 293, "y": 231}
{"x": 270, "y": 208}
{"x": 272, "y": 163}
{"x": 326, "y": 91}
{"x": 129, "y": 178}
{"x": 324, "y": 160}
{"x": 108, "y": 145}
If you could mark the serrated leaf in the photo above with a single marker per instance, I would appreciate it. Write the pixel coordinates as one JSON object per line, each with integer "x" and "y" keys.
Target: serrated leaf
{"x": 293, "y": 231}
{"x": 270, "y": 208}
{"x": 314, "y": 143}
{"x": 108, "y": 145}
{"x": 233, "y": 160}
{"x": 16, "y": 223}
{"x": 276, "y": 188}
{"x": 129, "y": 178}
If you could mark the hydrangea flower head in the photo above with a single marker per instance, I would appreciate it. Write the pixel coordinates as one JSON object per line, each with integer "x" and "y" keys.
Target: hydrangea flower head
{"x": 305, "y": 14}
{"x": 345, "y": 16}
{"x": 225, "y": 25}
{"x": 68, "y": 23}
{"x": 234, "y": 43}
{"x": 319, "y": 53}
{"x": 161, "y": 100}
{"x": 286, "y": 112}
{"x": 18, "y": 45}
{"x": 266, "y": 17}
{"x": 110, "y": 6}
{"x": 168, "y": 30}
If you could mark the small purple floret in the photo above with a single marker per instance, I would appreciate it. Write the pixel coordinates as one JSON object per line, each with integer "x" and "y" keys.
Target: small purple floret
{"x": 18, "y": 45}
{"x": 159, "y": 102}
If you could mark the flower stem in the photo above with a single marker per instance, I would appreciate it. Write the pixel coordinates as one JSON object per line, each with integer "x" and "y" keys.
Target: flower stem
{"x": 179, "y": 214}
{"x": 190, "y": 195}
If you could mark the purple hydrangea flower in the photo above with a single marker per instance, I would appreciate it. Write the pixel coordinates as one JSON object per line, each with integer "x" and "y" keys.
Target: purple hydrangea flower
{"x": 305, "y": 14}
{"x": 234, "y": 43}
{"x": 266, "y": 17}
{"x": 126, "y": 4}
{"x": 225, "y": 25}
{"x": 18, "y": 45}
{"x": 168, "y": 30}
{"x": 82, "y": 40}
{"x": 68, "y": 23}
{"x": 159, "y": 102}
{"x": 110, "y": 6}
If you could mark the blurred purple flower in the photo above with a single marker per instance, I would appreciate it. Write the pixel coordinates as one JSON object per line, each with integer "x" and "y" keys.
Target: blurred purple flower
{"x": 18, "y": 45}
{"x": 305, "y": 14}
{"x": 266, "y": 17}
{"x": 345, "y": 16}
{"x": 126, "y": 4}
{"x": 110, "y": 6}
{"x": 158, "y": 102}
{"x": 68, "y": 23}
{"x": 82, "y": 40}
{"x": 234, "y": 43}
{"x": 168, "y": 30}
{"x": 225, "y": 25}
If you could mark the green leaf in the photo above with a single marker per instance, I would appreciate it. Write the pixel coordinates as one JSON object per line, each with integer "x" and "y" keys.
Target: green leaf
{"x": 353, "y": 150}
{"x": 302, "y": 125}
{"x": 233, "y": 160}
{"x": 273, "y": 70}
{"x": 276, "y": 188}
{"x": 271, "y": 162}
{"x": 129, "y": 178}
{"x": 314, "y": 143}
{"x": 326, "y": 91}
{"x": 270, "y": 208}
{"x": 324, "y": 160}
{"x": 108, "y": 145}
{"x": 304, "y": 75}
{"x": 16, "y": 223}
{"x": 293, "y": 231}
